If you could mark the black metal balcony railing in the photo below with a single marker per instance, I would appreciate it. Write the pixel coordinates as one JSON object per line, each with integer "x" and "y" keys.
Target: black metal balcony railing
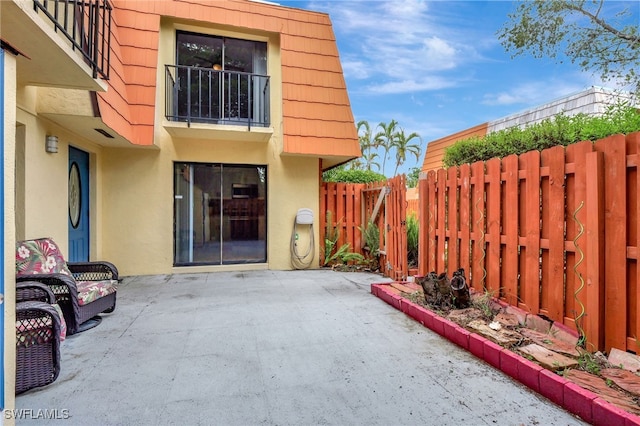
{"x": 87, "y": 25}
{"x": 203, "y": 95}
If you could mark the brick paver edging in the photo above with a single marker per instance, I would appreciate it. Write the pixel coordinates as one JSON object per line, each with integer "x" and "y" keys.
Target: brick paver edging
{"x": 575, "y": 399}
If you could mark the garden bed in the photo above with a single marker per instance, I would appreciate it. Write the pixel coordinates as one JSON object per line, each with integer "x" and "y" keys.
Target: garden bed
{"x": 542, "y": 355}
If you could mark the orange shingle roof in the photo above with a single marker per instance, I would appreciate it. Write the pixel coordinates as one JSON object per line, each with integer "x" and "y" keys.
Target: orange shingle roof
{"x": 435, "y": 149}
{"x": 317, "y": 116}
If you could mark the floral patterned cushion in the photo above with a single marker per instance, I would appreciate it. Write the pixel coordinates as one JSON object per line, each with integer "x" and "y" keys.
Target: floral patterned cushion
{"x": 63, "y": 323}
{"x": 33, "y": 336}
{"x": 33, "y": 331}
{"x": 88, "y": 291}
{"x": 38, "y": 330}
{"x": 40, "y": 256}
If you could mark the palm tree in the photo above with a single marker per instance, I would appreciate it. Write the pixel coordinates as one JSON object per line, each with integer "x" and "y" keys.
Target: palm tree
{"x": 367, "y": 144}
{"x": 403, "y": 146}
{"x": 386, "y": 138}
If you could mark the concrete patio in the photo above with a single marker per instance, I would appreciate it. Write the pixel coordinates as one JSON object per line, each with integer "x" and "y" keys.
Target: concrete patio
{"x": 274, "y": 348}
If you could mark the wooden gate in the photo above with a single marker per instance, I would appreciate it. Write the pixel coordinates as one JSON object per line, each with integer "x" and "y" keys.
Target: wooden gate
{"x": 352, "y": 206}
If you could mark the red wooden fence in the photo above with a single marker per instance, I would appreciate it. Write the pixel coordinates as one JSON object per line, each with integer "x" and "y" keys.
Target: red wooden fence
{"x": 413, "y": 206}
{"x": 555, "y": 232}
{"x": 352, "y": 205}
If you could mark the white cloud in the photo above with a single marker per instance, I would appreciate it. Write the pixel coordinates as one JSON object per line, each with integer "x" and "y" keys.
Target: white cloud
{"x": 404, "y": 9}
{"x": 533, "y": 93}
{"x": 439, "y": 50}
{"x": 406, "y": 44}
{"x": 356, "y": 69}
{"x": 410, "y": 86}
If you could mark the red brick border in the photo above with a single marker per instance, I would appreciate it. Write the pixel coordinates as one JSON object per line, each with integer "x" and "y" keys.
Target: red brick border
{"x": 557, "y": 389}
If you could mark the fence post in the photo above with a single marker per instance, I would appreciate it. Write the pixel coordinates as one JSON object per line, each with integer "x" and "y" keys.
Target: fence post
{"x": 633, "y": 148}
{"x": 324, "y": 196}
{"x": 553, "y": 223}
{"x": 530, "y": 277}
{"x": 594, "y": 280}
{"x": 441, "y": 230}
{"x": 615, "y": 222}
{"x": 465, "y": 217}
{"x": 493, "y": 227}
{"x": 431, "y": 219}
{"x": 357, "y": 218}
{"x": 399, "y": 226}
{"x": 423, "y": 224}
{"x": 510, "y": 223}
{"x": 452, "y": 222}
{"x": 478, "y": 251}
{"x": 575, "y": 194}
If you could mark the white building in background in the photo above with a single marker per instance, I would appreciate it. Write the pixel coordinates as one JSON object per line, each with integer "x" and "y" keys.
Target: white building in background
{"x": 592, "y": 101}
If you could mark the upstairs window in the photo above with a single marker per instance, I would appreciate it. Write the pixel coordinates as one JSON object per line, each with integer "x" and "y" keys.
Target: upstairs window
{"x": 221, "y": 53}
{"x": 218, "y": 80}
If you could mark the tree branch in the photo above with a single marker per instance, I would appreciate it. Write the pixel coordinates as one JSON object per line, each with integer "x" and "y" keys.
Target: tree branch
{"x": 634, "y": 41}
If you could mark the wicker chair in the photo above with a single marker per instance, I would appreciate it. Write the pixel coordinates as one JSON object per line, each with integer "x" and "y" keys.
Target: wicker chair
{"x": 38, "y": 292}
{"x": 83, "y": 289}
{"x": 37, "y": 345}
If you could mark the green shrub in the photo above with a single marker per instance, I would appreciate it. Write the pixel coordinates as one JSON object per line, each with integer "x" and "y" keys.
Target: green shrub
{"x": 332, "y": 233}
{"x": 352, "y": 176}
{"x": 413, "y": 233}
{"x": 561, "y": 130}
{"x": 371, "y": 234}
{"x": 333, "y": 254}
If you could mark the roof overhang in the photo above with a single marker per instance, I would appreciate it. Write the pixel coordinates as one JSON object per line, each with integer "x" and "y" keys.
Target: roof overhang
{"x": 90, "y": 128}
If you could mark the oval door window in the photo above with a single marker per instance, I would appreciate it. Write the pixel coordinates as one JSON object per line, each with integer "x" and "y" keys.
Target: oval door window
{"x": 75, "y": 199}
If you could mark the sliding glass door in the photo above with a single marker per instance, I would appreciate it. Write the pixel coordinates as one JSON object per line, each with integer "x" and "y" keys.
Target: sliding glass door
{"x": 219, "y": 214}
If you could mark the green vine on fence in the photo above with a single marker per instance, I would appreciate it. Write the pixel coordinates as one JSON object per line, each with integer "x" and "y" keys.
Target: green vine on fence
{"x": 582, "y": 340}
{"x": 484, "y": 251}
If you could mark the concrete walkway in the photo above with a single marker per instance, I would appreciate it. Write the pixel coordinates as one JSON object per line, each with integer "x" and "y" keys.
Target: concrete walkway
{"x": 274, "y": 348}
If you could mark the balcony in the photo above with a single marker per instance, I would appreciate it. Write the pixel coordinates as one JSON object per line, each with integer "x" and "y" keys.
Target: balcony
{"x": 87, "y": 25}
{"x": 65, "y": 43}
{"x": 197, "y": 96}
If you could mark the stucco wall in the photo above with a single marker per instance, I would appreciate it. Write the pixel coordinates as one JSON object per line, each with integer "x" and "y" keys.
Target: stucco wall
{"x": 138, "y": 200}
{"x": 132, "y": 200}
{"x": 43, "y": 177}
{"x": 131, "y": 214}
{"x": 9, "y": 277}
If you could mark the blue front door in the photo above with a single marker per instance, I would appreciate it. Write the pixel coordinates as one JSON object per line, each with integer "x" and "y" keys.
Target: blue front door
{"x": 78, "y": 205}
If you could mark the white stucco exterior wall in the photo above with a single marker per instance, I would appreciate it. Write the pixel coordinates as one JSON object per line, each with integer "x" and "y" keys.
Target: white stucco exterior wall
{"x": 9, "y": 278}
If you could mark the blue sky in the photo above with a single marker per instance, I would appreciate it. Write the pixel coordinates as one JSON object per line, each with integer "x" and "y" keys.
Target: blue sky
{"x": 437, "y": 67}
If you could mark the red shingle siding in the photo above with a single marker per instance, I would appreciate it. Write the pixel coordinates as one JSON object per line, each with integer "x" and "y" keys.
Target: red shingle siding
{"x": 317, "y": 117}
{"x": 435, "y": 149}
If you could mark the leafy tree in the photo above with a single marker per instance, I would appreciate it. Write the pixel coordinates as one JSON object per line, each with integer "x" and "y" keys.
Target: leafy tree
{"x": 391, "y": 138}
{"x": 403, "y": 146}
{"x": 413, "y": 177}
{"x": 413, "y": 237}
{"x": 591, "y": 33}
{"x": 368, "y": 143}
{"x": 352, "y": 176}
{"x": 386, "y": 138}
